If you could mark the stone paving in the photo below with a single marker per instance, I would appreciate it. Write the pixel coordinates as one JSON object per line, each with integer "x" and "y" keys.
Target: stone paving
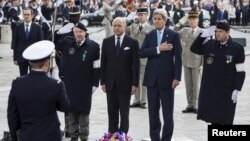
{"x": 187, "y": 127}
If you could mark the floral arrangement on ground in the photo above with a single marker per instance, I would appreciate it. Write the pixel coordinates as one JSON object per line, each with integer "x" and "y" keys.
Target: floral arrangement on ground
{"x": 115, "y": 137}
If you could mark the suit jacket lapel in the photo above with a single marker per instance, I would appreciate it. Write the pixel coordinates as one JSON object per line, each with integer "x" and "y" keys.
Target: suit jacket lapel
{"x": 113, "y": 46}
{"x": 113, "y": 42}
{"x": 155, "y": 37}
{"x": 23, "y": 29}
{"x": 164, "y": 36}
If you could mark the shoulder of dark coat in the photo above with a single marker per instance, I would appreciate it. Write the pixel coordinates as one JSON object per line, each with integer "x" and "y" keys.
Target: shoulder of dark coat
{"x": 69, "y": 39}
{"x": 130, "y": 38}
{"x": 170, "y": 31}
{"x": 237, "y": 45}
{"x": 92, "y": 42}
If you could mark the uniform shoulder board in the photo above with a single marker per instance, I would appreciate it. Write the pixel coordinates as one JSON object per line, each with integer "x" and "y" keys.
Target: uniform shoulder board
{"x": 237, "y": 44}
{"x": 59, "y": 81}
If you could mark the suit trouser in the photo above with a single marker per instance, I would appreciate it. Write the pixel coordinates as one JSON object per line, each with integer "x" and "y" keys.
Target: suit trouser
{"x": 78, "y": 125}
{"x": 192, "y": 77}
{"x": 118, "y": 101}
{"x": 141, "y": 93}
{"x": 23, "y": 67}
{"x": 165, "y": 97}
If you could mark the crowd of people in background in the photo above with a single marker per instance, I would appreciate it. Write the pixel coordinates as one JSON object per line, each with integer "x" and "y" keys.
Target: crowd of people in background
{"x": 236, "y": 12}
{"x": 144, "y": 58}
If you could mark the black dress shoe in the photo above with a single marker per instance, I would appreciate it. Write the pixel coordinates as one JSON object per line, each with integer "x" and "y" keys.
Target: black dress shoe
{"x": 195, "y": 111}
{"x": 144, "y": 106}
{"x": 188, "y": 110}
{"x": 134, "y": 105}
{"x": 67, "y": 135}
{"x": 73, "y": 139}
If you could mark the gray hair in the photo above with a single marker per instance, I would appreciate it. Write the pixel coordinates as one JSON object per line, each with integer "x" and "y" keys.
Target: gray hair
{"x": 162, "y": 12}
{"x": 120, "y": 19}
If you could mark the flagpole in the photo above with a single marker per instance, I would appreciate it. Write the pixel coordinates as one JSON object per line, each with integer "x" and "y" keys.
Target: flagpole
{"x": 53, "y": 36}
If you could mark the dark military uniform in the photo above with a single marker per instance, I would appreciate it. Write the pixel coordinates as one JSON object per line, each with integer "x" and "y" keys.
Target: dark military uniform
{"x": 74, "y": 17}
{"x": 46, "y": 24}
{"x": 220, "y": 78}
{"x": 33, "y": 102}
{"x": 13, "y": 15}
{"x": 79, "y": 75}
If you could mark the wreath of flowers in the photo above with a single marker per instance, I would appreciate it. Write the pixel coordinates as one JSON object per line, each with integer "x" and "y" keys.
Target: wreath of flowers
{"x": 115, "y": 137}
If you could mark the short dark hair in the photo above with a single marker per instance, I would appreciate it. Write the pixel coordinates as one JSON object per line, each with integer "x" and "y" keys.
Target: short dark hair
{"x": 31, "y": 11}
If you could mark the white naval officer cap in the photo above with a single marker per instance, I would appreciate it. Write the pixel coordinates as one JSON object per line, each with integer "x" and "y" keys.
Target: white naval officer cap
{"x": 39, "y": 51}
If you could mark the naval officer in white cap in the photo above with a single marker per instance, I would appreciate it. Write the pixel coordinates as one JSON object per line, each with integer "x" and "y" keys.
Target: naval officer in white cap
{"x": 35, "y": 98}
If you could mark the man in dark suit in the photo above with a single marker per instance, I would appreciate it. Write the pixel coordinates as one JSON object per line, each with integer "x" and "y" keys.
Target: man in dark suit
{"x": 162, "y": 47}
{"x": 119, "y": 74}
{"x": 80, "y": 70}
{"x": 222, "y": 14}
{"x": 26, "y": 34}
{"x": 35, "y": 98}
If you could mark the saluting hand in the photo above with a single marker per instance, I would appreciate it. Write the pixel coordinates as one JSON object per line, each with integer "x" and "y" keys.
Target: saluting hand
{"x": 175, "y": 83}
{"x": 133, "y": 90}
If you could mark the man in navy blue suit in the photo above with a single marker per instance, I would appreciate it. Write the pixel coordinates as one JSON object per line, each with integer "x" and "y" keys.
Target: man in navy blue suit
{"x": 26, "y": 34}
{"x": 162, "y": 47}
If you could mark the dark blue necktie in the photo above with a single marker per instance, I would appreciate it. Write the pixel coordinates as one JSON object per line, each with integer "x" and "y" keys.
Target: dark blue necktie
{"x": 117, "y": 46}
{"x": 27, "y": 31}
{"x": 222, "y": 15}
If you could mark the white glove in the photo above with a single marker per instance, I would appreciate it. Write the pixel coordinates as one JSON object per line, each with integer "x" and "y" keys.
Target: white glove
{"x": 66, "y": 28}
{"x": 93, "y": 89}
{"x": 235, "y": 95}
{"x": 208, "y": 32}
{"x": 118, "y": 2}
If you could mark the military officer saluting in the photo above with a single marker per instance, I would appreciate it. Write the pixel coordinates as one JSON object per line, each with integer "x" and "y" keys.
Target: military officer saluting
{"x": 138, "y": 31}
{"x": 191, "y": 61}
{"x": 223, "y": 75}
{"x": 80, "y": 68}
{"x": 35, "y": 99}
